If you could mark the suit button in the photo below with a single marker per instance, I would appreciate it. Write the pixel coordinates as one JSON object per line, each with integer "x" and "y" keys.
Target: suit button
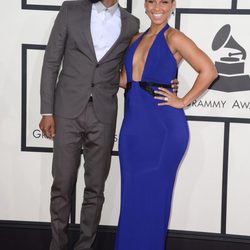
{"x": 92, "y": 84}
{"x": 97, "y": 65}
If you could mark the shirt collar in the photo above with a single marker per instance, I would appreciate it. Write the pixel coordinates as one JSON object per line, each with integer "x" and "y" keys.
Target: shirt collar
{"x": 101, "y": 7}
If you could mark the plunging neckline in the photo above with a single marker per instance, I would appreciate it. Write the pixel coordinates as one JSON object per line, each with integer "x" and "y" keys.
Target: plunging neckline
{"x": 138, "y": 41}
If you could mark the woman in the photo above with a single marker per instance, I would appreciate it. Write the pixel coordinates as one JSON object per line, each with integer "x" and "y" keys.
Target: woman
{"x": 154, "y": 133}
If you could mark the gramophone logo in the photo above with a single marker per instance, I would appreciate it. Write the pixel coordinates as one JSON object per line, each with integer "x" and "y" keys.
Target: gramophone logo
{"x": 231, "y": 68}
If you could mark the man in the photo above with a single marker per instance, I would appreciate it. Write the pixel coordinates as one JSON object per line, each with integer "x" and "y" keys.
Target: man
{"x": 79, "y": 106}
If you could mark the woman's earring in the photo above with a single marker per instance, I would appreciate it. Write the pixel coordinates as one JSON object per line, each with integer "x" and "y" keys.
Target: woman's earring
{"x": 173, "y": 12}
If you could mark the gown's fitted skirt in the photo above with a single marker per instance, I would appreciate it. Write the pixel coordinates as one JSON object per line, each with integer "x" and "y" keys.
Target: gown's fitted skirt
{"x": 152, "y": 142}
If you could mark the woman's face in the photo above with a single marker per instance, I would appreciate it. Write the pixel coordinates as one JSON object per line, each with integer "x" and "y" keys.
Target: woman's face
{"x": 159, "y": 10}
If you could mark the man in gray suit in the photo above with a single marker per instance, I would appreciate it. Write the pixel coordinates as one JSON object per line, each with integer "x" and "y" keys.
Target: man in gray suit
{"x": 79, "y": 106}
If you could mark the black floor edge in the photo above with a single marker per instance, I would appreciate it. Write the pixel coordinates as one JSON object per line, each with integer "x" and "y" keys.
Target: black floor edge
{"x": 28, "y": 234}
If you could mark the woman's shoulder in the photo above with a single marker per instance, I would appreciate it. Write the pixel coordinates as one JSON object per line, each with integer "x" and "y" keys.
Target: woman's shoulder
{"x": 177, "y": 39}
{"x": 174, "y": 35}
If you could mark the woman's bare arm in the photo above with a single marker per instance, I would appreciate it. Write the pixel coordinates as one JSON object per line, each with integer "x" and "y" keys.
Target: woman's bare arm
{"x": 200, "y": 62}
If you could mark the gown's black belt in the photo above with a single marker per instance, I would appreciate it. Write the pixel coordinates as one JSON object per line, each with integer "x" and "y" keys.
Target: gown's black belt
{"x": 147, "y": 86}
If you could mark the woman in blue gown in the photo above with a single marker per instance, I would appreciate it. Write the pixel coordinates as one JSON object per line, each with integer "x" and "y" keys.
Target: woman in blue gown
{"x": 154, "y": 133}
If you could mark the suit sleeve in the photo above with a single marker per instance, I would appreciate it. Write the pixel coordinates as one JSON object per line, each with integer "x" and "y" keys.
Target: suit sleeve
{"x": 52, "y": 61}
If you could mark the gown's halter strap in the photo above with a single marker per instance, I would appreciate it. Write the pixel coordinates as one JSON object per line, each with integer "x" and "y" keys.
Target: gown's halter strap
{"x": 165, "y": 28}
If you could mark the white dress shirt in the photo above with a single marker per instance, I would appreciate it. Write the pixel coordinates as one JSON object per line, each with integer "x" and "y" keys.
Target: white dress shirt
{"x": 105, "y": 26}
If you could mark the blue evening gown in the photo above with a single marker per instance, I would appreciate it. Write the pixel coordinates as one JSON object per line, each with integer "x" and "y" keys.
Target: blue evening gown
{"x": 153, "y": 140}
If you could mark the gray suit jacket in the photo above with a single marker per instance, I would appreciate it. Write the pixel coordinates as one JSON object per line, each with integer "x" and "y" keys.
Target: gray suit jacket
{"x": 70, "y": 43}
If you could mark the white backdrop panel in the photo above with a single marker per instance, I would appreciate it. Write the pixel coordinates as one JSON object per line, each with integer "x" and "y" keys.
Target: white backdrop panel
{"x": 25, "y": 178}
{"x": 123, "y": 3}
{"x": 111, "y": 206}
{"x": 80, "y": 185}
{"x": 238, "y": 207}
{"x": 213, "y": 4}
{"x": 243, "y": 4}
{"x": 46, "y": 2}
{"x": 215, "y": 103}
{"x": 119, "y": 117}
{"x": 34, "y": 136}
{"x": 25, "y": 182}
{"x": 197, "y": 194}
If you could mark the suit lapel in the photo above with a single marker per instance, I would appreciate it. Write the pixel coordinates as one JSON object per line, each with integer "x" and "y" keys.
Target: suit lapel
{"x": 85, "y": 32}
{"x": 122, "y": 34}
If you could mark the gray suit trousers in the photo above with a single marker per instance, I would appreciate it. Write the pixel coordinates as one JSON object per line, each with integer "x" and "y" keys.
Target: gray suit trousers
{"x": 97, "y": 140}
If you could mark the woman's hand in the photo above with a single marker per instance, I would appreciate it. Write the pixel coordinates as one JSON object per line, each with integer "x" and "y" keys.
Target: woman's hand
{"x": 169, "y": 99}
{"x": 123, "y": 78}
{"x": 174, "y": 85}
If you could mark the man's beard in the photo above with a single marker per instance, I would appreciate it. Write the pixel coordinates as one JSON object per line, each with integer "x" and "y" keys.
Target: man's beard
{"x": 94, "y": 1}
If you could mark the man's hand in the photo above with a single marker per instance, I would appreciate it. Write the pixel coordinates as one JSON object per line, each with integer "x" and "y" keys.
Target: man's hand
{"x": 47, "y": 125}
{"x": 175, "y": 86}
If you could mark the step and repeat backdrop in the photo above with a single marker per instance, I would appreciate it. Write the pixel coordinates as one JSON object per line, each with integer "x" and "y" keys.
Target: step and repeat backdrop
{"x": 212, "y": 188}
